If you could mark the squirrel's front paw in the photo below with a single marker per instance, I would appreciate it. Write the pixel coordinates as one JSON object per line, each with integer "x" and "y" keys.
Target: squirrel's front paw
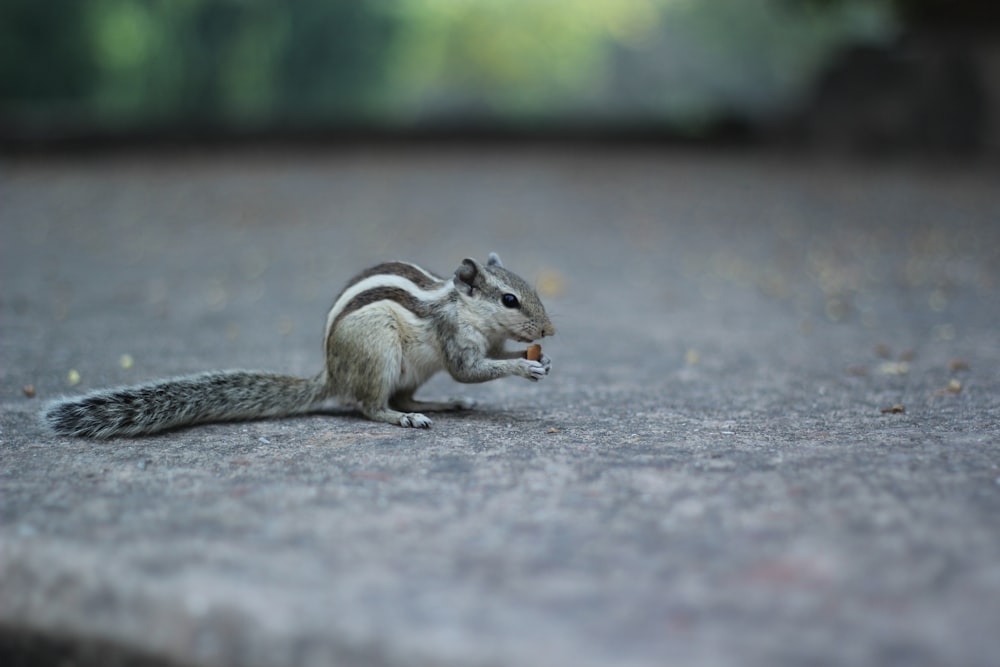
{"x": 546, "y": 363}
{"x": 532, "y": 370}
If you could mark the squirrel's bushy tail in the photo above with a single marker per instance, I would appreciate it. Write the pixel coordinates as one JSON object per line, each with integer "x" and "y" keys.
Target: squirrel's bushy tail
{"x": 183, "y": 401}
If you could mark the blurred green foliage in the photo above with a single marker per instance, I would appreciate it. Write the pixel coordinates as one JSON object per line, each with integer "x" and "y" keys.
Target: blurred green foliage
{"x": 152, "y": 62}
{"x": 678, "y": 61}
{"x": 237, "y": 64}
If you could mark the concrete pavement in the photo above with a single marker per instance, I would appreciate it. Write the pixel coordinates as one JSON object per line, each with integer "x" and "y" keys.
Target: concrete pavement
{"x": 706, "y": 478}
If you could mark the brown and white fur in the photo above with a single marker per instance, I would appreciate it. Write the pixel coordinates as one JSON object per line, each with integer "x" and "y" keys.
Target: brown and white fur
{"x": 390, "y": 329}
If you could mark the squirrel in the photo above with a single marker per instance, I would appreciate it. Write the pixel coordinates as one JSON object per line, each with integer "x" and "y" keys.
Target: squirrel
{"x": 390, "y": 329}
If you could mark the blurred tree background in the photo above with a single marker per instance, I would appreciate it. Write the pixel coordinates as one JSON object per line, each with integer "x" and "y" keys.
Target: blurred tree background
{"x": 239, "y": 67}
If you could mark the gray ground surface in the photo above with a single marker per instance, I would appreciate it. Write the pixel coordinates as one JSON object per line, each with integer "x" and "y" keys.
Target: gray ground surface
{"x": 706, "y": 478}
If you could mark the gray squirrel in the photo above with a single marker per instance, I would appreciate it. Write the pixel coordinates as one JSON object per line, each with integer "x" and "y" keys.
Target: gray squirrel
{"x": 391, "y": 328}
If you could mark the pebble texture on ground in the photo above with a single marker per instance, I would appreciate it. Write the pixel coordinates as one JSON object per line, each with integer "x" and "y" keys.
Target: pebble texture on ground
{"x": 713, "y": 474}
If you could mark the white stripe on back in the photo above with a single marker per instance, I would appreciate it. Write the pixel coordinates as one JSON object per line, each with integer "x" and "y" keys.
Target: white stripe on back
{"x": 389, "y": 280}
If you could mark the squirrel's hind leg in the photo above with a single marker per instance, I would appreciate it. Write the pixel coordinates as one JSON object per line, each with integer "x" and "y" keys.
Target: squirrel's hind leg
{"x": 373, "y": 375}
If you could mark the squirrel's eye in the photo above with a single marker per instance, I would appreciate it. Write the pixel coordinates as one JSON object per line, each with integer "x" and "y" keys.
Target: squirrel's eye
{"x": 510, "y": 301}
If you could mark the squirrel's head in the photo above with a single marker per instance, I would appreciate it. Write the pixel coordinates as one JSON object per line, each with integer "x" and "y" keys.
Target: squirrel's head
{"x": 505, "y": 303}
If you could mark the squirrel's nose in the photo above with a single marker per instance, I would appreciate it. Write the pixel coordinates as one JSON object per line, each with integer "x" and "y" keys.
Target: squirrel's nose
{"x": 548, "y": 329}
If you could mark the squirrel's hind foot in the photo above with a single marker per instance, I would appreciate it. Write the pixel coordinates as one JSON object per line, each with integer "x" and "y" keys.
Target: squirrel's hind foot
{"x": 414, "y": 420}
{"x": 404, "y": 419}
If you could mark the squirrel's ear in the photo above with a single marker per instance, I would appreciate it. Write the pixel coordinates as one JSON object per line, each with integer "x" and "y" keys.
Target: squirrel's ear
{"x": 468, "y": 274}
{"x": 494, "y": 260}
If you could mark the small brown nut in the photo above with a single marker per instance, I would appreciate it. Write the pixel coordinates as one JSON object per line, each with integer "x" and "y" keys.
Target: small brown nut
{"x": 533, "y": 353}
